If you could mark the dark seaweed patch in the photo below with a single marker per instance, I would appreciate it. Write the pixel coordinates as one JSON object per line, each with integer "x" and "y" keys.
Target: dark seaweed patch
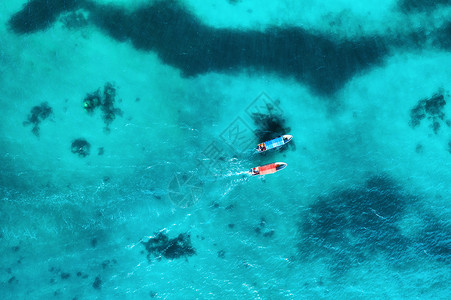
{"x": 318, "y": 60}
{"x": 221, "y": 254}
{"x": 449, "y": 146}
{"x": 37, "y": 115}
{"x": 231, "y": 226}
{"x": 80, "y": 147}
{"x": 181, "y": 40}
{"x": 105, "y": 101}
{"x": 65, "y": 275}
{"x": 352, "y": 225}
{"x": 100, "y": 151}
{"x": 97, "y": 284}
{"x": 442, "y": 37}
{"x": 435, "y": 239}
{"x": 432, "y": 109}
{"x": 38, "y": 15}
{"x": 422, "y": 5}
{"x": 161, "y": 246}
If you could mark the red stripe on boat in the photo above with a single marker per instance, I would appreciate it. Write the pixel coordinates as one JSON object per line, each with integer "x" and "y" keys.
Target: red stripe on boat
{"x": 267, "y": 169}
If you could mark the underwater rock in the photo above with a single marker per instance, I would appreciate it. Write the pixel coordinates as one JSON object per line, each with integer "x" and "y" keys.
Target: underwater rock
{"x": 221, "y": 254}
{"x": 80, "y": 147}
{"x": 107, "y": 263}
{"x": 92, "y": 101}
{"x": 229, "y": 207}
{"x": 419, "y": 148}
{"x": 161, "y": 246}
{"x": 231, "y": 226}
{"x": 13, "y": 280}
{"x": 97, "y": 284}
{"x": 37, "y": 115}
{"x": 94, "y": 242}
{"x": 65, "y": 275}
{"x": 431, "y": 109}
{"x": 269, "y": 233}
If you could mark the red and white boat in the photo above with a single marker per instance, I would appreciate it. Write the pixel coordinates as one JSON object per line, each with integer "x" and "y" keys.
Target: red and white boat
{"x": 268, "y": 169}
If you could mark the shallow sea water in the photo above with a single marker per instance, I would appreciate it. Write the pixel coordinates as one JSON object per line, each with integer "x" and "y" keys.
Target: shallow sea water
{"x": 147, "y": 196}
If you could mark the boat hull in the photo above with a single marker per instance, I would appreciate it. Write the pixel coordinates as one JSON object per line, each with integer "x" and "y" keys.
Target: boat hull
{"x": 274, "y": 143}
{"x": 268, "y": 169}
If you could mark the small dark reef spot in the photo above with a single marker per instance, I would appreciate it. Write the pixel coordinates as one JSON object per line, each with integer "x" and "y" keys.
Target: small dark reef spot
{"x": 80, "y": 147}
{"x": 97, "y": 284}
{"x": 13, "y": 280}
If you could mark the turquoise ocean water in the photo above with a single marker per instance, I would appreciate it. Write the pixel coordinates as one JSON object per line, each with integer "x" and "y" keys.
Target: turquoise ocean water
{"x": 128, "y": 127}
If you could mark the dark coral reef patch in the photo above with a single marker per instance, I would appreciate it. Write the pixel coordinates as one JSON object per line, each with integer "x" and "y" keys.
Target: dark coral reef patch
{"x": 162, "y": 246}
{"x": 352, "y": 226}
{"x": 80, "y": 147}
{"x": 105, "y": 101}
{"x": 37, "y": 115}
{"x": 432, "y": 109}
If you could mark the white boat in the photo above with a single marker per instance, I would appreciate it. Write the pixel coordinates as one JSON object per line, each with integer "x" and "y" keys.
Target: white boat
{"x": 274, "y": 143}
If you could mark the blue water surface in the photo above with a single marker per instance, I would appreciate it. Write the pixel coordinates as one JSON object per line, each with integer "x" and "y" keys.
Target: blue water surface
{"x": 129, "y": 127}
